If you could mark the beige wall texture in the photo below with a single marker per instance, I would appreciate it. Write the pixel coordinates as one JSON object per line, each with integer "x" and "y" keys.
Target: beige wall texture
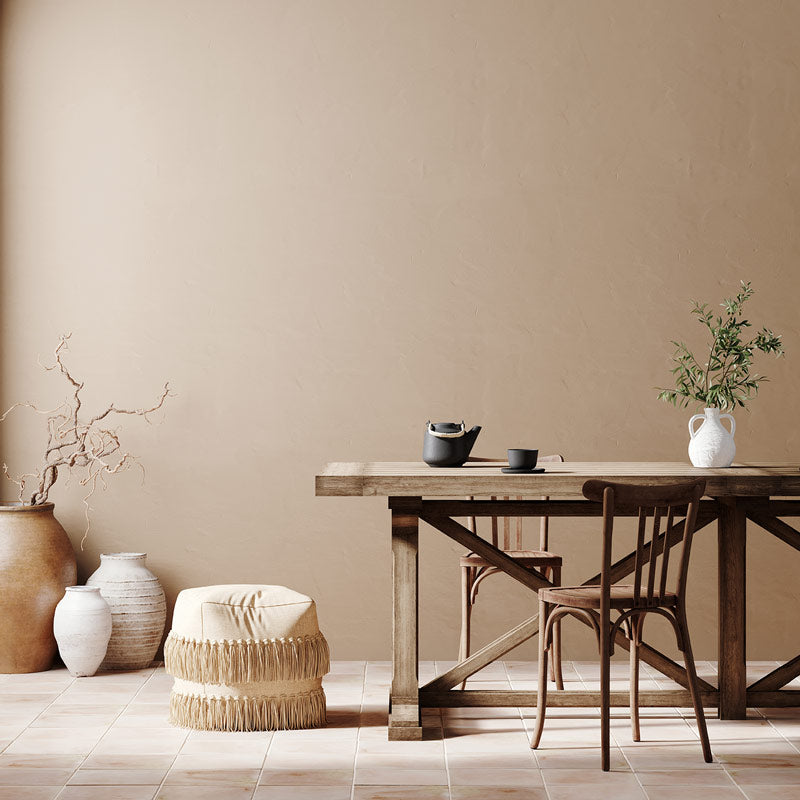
{"x": 327, "y": 222}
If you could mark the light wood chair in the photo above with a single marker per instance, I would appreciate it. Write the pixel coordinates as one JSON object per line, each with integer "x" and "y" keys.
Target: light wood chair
{"x": 474, "y": 569}
{"x": 647, "y": 595}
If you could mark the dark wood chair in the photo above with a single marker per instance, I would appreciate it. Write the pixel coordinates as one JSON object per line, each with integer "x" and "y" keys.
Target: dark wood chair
{"x": 474, "y": 569}
{"x": 647, "y": 595}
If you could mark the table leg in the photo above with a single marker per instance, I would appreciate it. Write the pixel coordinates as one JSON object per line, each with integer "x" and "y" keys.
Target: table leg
{"x": 731, "y": 549}
{"x": 404, "y": 714}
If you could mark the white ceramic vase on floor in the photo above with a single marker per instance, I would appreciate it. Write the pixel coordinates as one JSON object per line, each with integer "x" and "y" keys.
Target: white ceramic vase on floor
{"x": 138, "y": 609}
{"x": 712, "y": 445}
{"x": 82, "y": 627}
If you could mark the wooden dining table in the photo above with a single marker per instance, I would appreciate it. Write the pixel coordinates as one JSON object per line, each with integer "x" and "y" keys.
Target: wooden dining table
{"x": 763, "y": 493}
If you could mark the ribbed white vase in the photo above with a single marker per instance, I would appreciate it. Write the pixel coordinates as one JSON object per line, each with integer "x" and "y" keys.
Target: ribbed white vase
{"x": 82, "y": 627}
{"x": 138, "y": 609}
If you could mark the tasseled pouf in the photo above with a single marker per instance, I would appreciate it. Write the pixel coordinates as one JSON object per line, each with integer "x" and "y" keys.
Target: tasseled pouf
{"x": 246, "y": 658}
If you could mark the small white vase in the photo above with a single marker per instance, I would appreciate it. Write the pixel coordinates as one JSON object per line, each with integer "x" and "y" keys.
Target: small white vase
{"x": 82, "y": 627}
{"x": 711, "y": 445}
{"x": 138, "y": 609}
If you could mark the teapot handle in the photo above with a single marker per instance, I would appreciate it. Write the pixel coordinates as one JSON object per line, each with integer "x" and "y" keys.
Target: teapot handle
{"x": 457, "y": 435}
{"x": 733, "y": 422}
{"x": 692, "y": 429}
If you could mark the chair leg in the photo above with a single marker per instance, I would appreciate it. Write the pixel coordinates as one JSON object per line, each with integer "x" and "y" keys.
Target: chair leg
{"x": 691, "y": 674}
{"x": 551, "y": 669}
{"x": 605, "y": 696}
{"x": 466, "y": 615}
{"x": 541, "y": 693}
{"x": 555, "y": 647}
{"x": 635, "y": 628}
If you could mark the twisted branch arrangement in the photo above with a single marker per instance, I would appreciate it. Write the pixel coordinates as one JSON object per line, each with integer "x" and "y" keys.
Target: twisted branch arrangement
{"x": 73, "y": 444}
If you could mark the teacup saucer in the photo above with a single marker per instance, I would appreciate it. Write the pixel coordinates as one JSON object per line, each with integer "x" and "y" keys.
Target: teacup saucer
{"x": 521, "y": 470}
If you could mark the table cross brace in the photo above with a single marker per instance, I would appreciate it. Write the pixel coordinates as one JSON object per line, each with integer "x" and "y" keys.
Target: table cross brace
{"x": 779, "y": 677}
{"x": 535, "y": 580}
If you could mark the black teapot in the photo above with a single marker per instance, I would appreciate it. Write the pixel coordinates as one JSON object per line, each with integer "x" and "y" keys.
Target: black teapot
{"x": 448, "y": 444}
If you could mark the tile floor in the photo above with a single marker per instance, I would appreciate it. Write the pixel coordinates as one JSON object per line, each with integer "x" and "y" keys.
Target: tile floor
{"x": 106, "y": 738}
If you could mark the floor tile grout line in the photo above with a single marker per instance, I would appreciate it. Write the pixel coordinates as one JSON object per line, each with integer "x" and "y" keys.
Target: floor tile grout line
{"x": 630, "y": 767}
{"x": 30, "y": 724}
{"x": 108, "y": 728}
{"x": 725, "y": 766}
{"x": 74, "y": 682}
{"x": 358, "y": 733}
{"x": 175, "y": 758}
{"x": 444, "y": 742}
{"x": 263, "y": 762}
{"x": 730, "y": 777}
{"x": 783, "y": 736}
{"x": 519, "y": 709}
{"x": 528, "y": 737}
{"x": 444, "y": 753}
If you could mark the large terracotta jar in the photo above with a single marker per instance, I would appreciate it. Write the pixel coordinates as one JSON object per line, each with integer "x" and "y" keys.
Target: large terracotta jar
{"x": 36, "y": 564}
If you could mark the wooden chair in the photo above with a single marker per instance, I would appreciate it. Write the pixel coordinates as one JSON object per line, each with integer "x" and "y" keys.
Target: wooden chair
{"x": 647, "y": 595}
{"x": 474, "y": 570}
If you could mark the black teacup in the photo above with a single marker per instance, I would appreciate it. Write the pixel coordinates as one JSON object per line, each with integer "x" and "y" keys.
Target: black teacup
{"x": 522, "y": 459}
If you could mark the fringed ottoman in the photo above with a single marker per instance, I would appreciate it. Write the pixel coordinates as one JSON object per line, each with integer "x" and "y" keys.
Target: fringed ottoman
{"x": 246, "y": 658}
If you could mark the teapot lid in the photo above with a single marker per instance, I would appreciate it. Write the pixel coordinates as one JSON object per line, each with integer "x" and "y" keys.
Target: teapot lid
{"x": 446, "y": 427}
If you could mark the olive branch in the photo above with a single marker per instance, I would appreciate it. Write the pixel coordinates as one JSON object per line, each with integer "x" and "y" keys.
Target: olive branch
{"x": 724, "y": 381}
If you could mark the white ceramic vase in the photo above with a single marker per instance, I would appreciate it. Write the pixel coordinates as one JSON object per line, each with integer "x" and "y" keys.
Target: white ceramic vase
{"x": 138, "y": 609}
{"x": 712, "y": 444}
{"x": 82, "y": 627}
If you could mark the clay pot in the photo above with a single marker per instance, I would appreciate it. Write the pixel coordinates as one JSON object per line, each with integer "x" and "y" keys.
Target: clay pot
{"x": 138, "y": 609}
{"x": 712, "y": 444}
{"x": 36, "y": 565}
{"x": 82, "y": 626}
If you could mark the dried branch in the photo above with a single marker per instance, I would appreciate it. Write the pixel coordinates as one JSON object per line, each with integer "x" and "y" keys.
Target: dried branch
{"x": 31, "y": 406}
{"x": 142, "y": 412}
{"x": 19, "y": 481}
{"x": 73, "y": 444}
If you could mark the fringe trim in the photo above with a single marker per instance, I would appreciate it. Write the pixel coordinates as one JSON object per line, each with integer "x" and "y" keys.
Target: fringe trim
{"x": 247, "y": 661}
{"x": 284, "y": 712}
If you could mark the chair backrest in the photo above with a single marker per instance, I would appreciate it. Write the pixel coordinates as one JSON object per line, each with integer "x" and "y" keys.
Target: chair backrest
{"x": 664, "y": 504}
{"x": 513, "y": 542}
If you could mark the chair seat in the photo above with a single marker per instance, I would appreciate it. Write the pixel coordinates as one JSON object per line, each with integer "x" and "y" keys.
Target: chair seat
{"x": 527, "y": 558}
{"x": 589, "y": 597}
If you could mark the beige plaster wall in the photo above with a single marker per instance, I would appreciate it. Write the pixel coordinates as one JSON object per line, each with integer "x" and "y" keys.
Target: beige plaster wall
{"x": 326, "y": 222}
